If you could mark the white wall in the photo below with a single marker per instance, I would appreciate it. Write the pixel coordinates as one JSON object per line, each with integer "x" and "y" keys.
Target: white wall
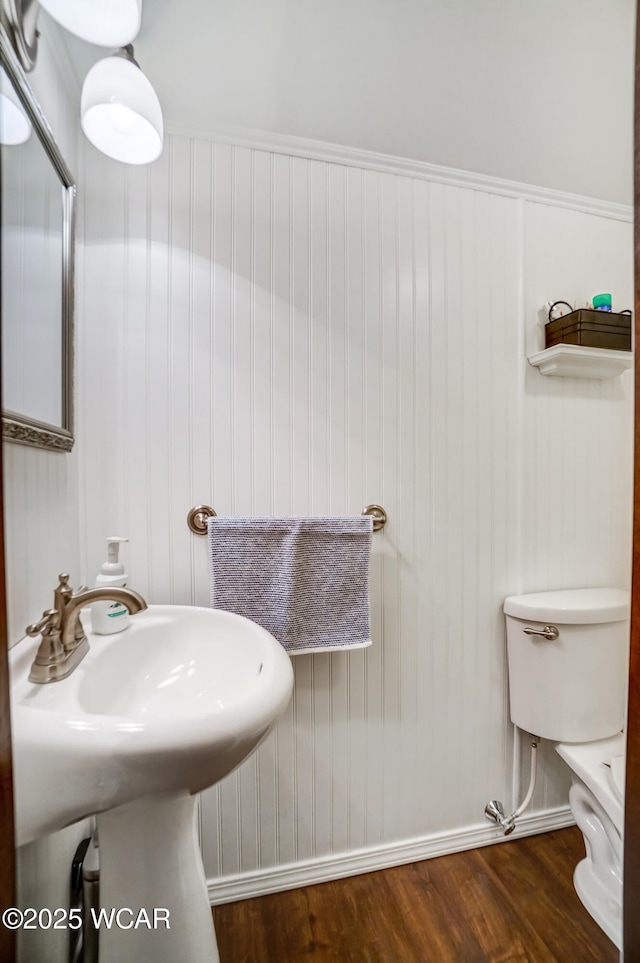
{"x": 269, "y": 334}
{"x": 538, "y": 91}
{"x": 578, "y": 468}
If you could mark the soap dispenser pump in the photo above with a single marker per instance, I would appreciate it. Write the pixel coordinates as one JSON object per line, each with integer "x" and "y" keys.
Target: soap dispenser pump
{"x": 110, "y": 616}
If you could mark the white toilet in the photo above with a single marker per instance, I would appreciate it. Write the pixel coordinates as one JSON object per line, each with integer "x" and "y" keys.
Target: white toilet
{"x": 568, "y": 664}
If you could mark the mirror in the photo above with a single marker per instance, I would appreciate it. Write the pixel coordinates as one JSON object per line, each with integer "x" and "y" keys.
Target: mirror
{"x": 37, "y": 223}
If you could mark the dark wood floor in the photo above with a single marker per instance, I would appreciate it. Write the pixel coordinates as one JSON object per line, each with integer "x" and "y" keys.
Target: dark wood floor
{"x": 509, "y": 903}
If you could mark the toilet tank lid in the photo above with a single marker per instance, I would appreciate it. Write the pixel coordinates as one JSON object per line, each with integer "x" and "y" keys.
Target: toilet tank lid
{"x": 577, "y": 606}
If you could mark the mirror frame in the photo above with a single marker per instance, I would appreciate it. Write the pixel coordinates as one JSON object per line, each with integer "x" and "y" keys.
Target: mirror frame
{"x": 17, "y": 427}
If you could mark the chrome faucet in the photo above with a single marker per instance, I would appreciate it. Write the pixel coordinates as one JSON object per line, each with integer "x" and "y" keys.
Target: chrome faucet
{"x": 64, "y": 643}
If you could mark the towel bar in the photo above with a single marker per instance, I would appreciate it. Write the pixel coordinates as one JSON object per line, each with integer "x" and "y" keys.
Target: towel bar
{"x": 197, "y": 518}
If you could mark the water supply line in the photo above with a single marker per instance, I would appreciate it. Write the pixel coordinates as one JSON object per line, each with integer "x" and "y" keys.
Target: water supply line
{"x": 495, "y": 810}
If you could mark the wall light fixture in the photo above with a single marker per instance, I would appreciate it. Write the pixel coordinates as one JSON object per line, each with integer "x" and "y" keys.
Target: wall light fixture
{"x": 107, "y": 23}
{"x": 120, "y": 111}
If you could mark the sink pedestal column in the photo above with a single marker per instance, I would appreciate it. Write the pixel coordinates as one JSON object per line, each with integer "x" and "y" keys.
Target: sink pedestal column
{"x": 150, "y": 860}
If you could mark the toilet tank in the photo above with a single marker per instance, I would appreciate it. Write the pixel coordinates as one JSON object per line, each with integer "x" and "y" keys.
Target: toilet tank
{"x": 572, "y": 688}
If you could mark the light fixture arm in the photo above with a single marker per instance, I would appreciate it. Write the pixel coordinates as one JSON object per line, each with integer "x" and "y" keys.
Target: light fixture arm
{"x": 20, "y": 20}
{"x": 127, "y": 54}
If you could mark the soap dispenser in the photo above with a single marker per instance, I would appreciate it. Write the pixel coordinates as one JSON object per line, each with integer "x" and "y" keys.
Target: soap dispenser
{"x": 110, "y": 616}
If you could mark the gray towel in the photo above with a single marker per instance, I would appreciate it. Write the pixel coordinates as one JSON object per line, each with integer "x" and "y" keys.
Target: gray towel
{"x": 305, "y": 580}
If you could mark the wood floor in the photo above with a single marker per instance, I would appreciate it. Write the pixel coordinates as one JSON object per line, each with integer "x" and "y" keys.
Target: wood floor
{"x": 509, "y": 903}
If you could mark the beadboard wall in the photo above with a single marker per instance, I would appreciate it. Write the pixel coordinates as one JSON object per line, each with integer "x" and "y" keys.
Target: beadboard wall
{"x": 272, "y": 334}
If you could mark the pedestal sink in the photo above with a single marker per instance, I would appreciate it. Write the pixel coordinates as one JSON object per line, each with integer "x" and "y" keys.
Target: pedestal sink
{"x": 151, "y": 716}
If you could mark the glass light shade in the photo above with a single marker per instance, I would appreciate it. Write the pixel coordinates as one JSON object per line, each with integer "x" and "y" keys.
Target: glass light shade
{"x": 108, "y": 23}
{"x": 15, "y": 126}
{"x": 121, "y": 113}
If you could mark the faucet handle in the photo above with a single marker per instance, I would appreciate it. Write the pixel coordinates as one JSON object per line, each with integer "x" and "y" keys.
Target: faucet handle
{"x": 63, "y": 592}
{"x": 50, "y": 652}
{"x": 49, "y": 622}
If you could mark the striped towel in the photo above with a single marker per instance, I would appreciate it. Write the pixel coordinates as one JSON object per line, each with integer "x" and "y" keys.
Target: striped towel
{"x": 305, "y": 580}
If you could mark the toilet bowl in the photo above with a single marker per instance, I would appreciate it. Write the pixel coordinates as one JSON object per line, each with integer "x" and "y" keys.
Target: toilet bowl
{"x": 597, "y": 803}
{"x": 568, "y": 664}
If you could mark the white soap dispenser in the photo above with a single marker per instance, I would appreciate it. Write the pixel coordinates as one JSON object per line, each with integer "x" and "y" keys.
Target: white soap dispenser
{"x": 109, "y": 617}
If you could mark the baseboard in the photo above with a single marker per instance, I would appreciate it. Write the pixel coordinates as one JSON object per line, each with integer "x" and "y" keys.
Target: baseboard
{"x": 275, "y": 879}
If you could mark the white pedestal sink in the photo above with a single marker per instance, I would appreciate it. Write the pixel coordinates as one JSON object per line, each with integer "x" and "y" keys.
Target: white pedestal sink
{"x": 151, "y": 716}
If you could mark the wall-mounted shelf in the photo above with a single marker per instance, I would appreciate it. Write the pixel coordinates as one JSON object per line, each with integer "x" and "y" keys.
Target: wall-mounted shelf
{"x": 576, "y": 361}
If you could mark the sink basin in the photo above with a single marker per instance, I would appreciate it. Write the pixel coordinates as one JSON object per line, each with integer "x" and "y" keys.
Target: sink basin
{"x": 175, "y": 701}
{"x": 150, "y": 716}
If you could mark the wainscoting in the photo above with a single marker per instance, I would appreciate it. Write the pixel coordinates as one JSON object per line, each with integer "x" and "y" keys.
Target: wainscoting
{"x": 270, "y": 334}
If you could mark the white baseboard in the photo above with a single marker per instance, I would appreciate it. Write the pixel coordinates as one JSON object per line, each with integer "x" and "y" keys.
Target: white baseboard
{"x": 275, "y": 879}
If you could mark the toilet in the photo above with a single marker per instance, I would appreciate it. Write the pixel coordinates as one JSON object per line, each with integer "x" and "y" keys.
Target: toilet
{"x": 568, "y": 662}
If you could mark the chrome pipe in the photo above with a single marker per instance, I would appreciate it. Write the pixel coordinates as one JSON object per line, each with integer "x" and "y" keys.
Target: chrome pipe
{"x": 494, "y": 810}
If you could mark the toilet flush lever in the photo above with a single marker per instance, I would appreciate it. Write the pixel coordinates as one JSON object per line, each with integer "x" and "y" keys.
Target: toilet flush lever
{"x": 549, "y": 632}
